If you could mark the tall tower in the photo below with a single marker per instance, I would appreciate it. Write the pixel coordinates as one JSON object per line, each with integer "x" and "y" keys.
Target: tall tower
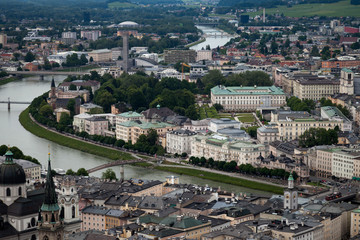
{"x": 264, "y": 15}
{"x": 290, "y": 195}
{"x": 125, "y": 51}
{"x": 50, "y": 223}
{"x": 69, "y": 205}
{"x": 347, "y": 81}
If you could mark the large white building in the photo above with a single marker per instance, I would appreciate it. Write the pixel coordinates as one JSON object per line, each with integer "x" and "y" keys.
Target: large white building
{"x": 179, "y": 141}
{"x": 334, "y": 114}
{"x": 247, "y": 98}
{"x": 218, "y": 124}
{"x": 221, "y": 148}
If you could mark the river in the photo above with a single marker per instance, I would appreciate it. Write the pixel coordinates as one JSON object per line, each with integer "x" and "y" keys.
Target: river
{"x": 13, "y": 134}
{"x": 213, "y": 41}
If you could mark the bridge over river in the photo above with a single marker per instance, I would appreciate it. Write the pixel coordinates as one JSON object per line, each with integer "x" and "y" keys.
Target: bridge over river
{"x": 8, "y": 102}
{"x": 44, "y": 73}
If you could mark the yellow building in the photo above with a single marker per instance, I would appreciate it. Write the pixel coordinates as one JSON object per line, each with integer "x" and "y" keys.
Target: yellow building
{"x": 101, "y": 55}
{"x": 355, "y": 223}
{"x": 315, "y": 89}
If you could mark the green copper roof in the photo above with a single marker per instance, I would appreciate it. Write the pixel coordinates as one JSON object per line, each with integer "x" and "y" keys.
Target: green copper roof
{"x": 9, "y": 153}
{"x": 130, "y": 114}
{"x": 291, "y": 178}
{"x": 269, "y": 90}
{"x": 346, "y": 70}
{"x": 9, "y": 157}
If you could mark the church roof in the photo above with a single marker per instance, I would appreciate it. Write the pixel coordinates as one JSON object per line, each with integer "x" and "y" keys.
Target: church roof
{"x": 50, "y": 200}
{"x": 22, "y": 207}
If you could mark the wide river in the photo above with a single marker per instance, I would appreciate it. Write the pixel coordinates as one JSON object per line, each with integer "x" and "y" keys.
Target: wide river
{"x": 13, "y": 134}
{"x": 213, "y": 40}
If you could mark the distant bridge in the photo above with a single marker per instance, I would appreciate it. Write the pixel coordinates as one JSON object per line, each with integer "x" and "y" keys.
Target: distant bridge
{"x": 8, "y": 102}
{"x": 208, "y": 24}
{"x": 43, "y": 73}
{"x": 115, "y": 163}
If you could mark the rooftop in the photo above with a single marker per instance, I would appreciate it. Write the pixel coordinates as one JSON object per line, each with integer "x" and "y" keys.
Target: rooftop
{"x": 269, "y": 90}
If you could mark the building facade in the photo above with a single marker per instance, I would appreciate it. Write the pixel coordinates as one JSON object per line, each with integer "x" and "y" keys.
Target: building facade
{"x": 248, "y": 98}
{"x": 179, "y": 141}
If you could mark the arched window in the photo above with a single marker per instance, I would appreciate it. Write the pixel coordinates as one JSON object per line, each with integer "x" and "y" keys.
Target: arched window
{"x": 20, "y": 191}
{"x": 73, "y": 212}
{"x": 8, "y": 192}
{"x": 46, "y": 218}
{"x": 62, "y": 212}
{"x": 33, "y": 237}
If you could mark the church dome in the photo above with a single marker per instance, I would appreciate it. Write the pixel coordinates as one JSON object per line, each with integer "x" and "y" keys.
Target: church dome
{"x": 10, "y": 172}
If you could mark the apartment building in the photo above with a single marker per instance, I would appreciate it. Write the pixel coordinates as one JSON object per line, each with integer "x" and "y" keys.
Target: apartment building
{"x": 221, "y": 148}
{"x": 93, "y": 218}
{"x": 315, "y": 89}
{"x": 336, "y": 66}
{"x": 79, "y": 122}
{"x": 90, "y": 35}
{"x": 247, "y": 98}
{"x": 292, "y": 124}
{"x": 179, "y": 141}
{"x": 334, "y": 114}
{"x": 174, "y": 56}
{"x": 129, "y": 116}
{"x": 101, "y": 55}
{"x": 355, "y": 223}
{"x": 131, "y": 130}
{"x": 96, "y": 125}
{"x": 267, "y": 134}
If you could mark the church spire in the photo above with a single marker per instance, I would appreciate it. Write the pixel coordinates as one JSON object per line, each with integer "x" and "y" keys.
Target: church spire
{"x": 50, "y": 201}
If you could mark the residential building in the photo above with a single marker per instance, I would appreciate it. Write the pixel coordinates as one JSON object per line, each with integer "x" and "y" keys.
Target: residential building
{"x": 90, "y": 35}
{"x": 355, "y": 223}
{"x": 335, "y": 66}
{"x": 197, "y": 125}
{"x": 94, "y": 85}
{"x": 131, "y": 130}
{"x": 247, "y": 98}
{"x": 115, "y": 218}
{"x": 174, "y": 56}
{"x": 96, "y": 125}
{"x": 222, "y": 149}
{"x": 292, "y": 124}
{"x": 267, "y": 134}
{"x": 129, "y": 116}
{"x": 203, "y": 55}
{"x": 79, "y": 122}
{"x": 101, "y": 55}
{"x": 334, "y": 114}
{"x": 315, "y": 89}
{"x": 179, "y": 141}
{"x": 87, "y": 107}
{"x": 71, "y": 35}
{"x": 218, "y": 124}
{"x": 93, "y": 217}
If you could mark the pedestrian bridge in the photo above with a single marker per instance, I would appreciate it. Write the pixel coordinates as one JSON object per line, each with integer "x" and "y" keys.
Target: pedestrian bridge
{"x": 115, "y": 163}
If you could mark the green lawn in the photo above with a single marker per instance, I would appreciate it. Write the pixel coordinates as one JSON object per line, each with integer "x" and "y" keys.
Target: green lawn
{"x": 32, "y": 127}
{"x": 338, "y": 9}
{"x": 117, "y": 5}
{"x": 208, "y": 112}
{"x": 223, "y": 179}
{"x": 7, "y": 80}
{"x": 246, "y": 117}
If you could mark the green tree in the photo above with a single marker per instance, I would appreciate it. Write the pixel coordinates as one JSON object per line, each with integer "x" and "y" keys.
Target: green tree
{"x": 192, "y": 113}
{"x": 109, "y": 174}
{"x": 46, "y": 111}
{"x": 82, "y": 172}
{"x": 315, "y": 52}
{"x": 70, "y": 172}
{"x": 325, "y": 53}
{"x": 29, "y": 57}
{"x": 71, "y": 107}
{"x": 96, "y": 110}
{"x": 65, "y": 119}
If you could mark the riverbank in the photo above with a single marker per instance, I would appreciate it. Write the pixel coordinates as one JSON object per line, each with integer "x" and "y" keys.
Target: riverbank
{"x": 196, "y": 43}
{"x": 34, "y": 128}
{"x": 4, "y": 81}
{"x": 222, "y": 178}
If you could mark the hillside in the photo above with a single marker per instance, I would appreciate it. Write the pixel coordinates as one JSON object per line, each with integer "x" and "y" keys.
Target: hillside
{"x": 337, "y": 9}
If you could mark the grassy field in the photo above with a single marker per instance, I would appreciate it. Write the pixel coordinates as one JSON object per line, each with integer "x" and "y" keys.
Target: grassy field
{"x": 32, "y": 127}
{"x": 208, "y": 112}
{"x": 338, "y": 9}
{"x": 223, "y": 179}
{"x": 7, "y": 80}
{"x": 245, "y": 117}
{"x": 116, "y": 5}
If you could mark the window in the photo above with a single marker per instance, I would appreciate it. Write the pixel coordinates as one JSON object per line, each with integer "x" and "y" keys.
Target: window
{"x": 20, "y": 190}
{"x": 73, "y": 212}
{"x": 8, "y": 192}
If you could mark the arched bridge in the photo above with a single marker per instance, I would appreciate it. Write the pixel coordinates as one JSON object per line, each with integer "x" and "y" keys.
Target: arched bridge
{"x": 115, "y": 163}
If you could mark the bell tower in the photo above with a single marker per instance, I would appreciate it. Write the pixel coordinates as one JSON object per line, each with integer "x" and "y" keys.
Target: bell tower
{"x": 291, "y": 195}
{"x": 347, "y": 81}
{"x": 50, "y": 223}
